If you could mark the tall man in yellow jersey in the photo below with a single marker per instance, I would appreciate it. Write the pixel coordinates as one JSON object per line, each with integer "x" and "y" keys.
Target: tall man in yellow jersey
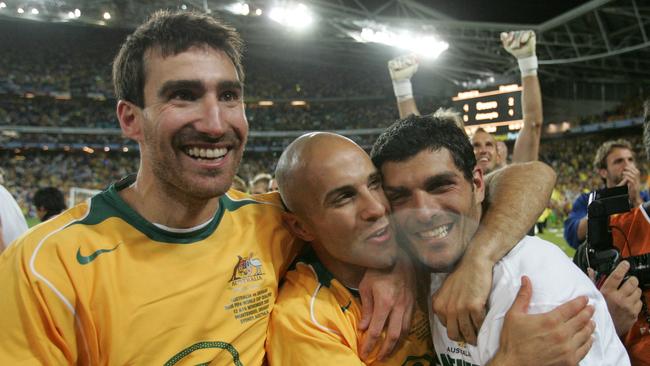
{"x": 169, "y": 266}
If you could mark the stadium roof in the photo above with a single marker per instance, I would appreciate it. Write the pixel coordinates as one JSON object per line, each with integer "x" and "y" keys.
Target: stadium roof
{"x": 599, "y": 41}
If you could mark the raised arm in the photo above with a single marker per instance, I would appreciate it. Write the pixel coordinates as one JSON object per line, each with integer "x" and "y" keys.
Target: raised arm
{"x": 521, "y": 44}
{"x": 516, "y": 196}
{"x": 401, "y": 70}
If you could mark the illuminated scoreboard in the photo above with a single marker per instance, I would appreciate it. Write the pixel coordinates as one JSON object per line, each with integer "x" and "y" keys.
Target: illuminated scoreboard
{"x": 496, "y": 111}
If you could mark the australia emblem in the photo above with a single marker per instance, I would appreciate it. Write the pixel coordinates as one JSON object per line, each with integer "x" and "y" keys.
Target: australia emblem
{"x": 247, "y": 269}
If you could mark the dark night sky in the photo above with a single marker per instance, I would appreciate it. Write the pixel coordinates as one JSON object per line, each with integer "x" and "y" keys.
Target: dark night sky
{"x": 503, "y": 11}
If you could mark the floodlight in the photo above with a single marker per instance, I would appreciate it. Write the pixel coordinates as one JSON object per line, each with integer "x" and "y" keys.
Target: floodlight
{"x": 20, "y": 10}
{"x": 426, "y": 45}
{"x": 297, "y": 16}
{"x": 107, "y": 149}
{"x": 34, "y": 11}
{"x": 258, "y": 12}
{"x": 71, "y": 15}
{"x": 77, "y": 13}
{"x": 239, "y": 8}
{"x": 183, "y": 7}
{"x": 2, "y": 5}
{"x": 107, "y": 15}
{"x": 125, "y": 149}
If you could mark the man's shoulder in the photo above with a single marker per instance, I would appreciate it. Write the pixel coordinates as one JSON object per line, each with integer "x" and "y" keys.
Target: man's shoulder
{"x": 304, "y": 298}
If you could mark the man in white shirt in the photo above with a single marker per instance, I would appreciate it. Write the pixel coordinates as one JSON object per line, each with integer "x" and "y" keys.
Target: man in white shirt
{"x": 436, "y": 192}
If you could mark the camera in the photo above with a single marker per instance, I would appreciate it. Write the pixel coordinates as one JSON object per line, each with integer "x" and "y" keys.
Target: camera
{"x": 598, "y": 251}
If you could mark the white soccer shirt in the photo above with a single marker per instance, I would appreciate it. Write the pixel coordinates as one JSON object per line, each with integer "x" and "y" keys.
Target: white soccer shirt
{"x": 555, "y": 280}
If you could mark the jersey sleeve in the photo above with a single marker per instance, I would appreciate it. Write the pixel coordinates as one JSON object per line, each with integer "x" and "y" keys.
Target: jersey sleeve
{"x": 36, "y": 327}
{"x": 578, "y": 212}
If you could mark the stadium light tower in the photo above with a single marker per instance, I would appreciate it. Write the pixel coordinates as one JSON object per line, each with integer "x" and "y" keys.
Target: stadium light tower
{"x": 296, "y": 16}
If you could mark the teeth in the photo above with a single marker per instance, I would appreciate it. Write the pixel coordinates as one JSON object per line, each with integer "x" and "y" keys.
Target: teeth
{"x": 196, "y": 152}
{"x": 437, "y": 233}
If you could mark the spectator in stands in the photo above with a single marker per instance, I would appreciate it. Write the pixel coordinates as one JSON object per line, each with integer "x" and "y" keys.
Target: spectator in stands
{"x": 260, "y": 184}
{"x": 616, "y": 166}
{"x": 436, "y": 190}
{"x": 12, "y": 220}
{"x": 239, "y": 184}
{"x": 49, "y": 202}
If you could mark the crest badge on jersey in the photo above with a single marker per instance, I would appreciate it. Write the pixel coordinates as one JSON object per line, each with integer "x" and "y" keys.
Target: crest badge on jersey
{"x": 248, "y": 269}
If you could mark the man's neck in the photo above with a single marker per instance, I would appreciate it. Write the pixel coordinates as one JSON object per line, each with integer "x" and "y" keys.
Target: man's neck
{"x": 168, "y": 207}
{"x": 348, "y": 274}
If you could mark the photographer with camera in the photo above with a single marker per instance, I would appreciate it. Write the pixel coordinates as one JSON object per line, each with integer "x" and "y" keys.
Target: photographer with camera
{"x": 616, "y": 165}
{"x": 631, "y": 236}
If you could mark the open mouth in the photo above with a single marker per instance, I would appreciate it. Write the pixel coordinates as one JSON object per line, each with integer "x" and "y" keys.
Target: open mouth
{"x": 380, "y": 235}
{"x": 438, "y": 232}
{"x": 207, "y": 154}
{"x": 483, "y": 159}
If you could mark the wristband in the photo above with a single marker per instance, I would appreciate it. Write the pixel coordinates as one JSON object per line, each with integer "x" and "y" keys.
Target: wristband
{"x": 403, "y": 89}
{"x": 528, "y": 66}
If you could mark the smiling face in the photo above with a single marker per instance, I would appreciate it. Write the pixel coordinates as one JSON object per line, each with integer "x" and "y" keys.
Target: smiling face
{"x": 436, "y": 208}
{"x": 485, "y": 150}
{"x": 193, "y": 128}
{"x": 341, "y": 204}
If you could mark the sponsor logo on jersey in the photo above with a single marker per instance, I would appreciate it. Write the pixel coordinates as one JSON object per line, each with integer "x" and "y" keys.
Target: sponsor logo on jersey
{"x": 85, "y": 259}
{"x": 248, "y": 269}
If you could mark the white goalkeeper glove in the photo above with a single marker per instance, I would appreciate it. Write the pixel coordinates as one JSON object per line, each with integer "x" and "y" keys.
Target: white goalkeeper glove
{"x": 401, "y": 70}
{"x": 521, "y": 44}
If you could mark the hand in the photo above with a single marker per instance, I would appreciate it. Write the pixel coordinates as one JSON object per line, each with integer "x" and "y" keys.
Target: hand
{"x": 386, "y": 296}
{"x": 460, "y": 302}
{"x": 559, "y": 337}
{"x": 403, "y": 67}
{"x": 520, "y": 44}
{"x": 623, "y": 301}
{"x": 632, "y": 178}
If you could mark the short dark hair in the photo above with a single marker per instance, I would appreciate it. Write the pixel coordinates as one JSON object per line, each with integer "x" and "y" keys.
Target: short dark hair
{"x": 172, "y": 33}
{"x": 413, "y": 134}
{"x": 51, "y": 199}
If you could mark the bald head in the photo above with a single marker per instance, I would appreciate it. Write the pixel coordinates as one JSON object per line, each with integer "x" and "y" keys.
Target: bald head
{"x": 302, "y": 162}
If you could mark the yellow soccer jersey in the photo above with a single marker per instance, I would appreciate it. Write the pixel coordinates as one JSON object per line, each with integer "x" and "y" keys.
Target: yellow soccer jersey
{"x": 100, "y": 285}
{"x": 315, "y": 318}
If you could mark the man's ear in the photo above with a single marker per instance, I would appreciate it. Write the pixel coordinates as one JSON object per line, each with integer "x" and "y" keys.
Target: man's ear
{"x": 130, "y": 118}
{"x": 479, "y": 185}
{"x": 297, "y": 227}
{"x": 602, "y": 173}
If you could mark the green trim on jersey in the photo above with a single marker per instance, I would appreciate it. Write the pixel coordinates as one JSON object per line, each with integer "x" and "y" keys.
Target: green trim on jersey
{"x": 202, "y": 345}
{"x": 109, "y": 204}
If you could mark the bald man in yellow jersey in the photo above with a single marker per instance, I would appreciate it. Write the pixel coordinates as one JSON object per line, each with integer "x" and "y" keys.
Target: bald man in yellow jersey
{"x": 343, "y": 213}
{"x": 335, "y": 202}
